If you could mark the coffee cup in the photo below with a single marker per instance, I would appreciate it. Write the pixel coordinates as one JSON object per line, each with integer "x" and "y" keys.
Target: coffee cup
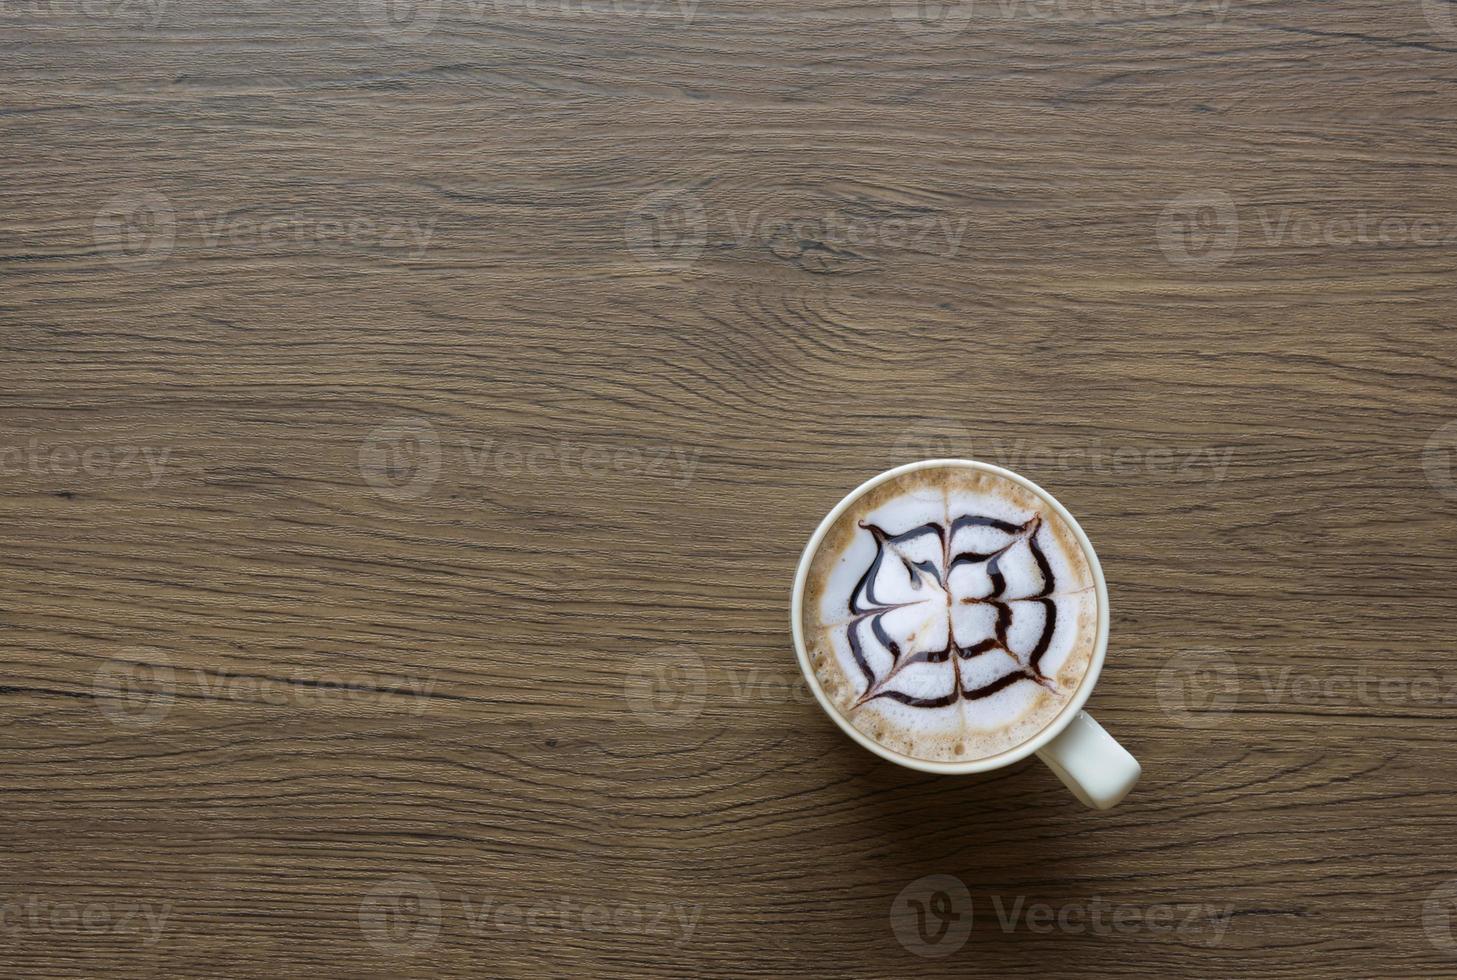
{"x": 951, "y": 616}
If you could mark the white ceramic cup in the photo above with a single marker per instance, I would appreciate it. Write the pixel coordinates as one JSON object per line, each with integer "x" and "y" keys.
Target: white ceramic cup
{"x": 1098, "y": 770}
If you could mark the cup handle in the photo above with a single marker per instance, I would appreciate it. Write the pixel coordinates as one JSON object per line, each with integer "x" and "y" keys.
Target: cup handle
{"x": 1098, "y": 770}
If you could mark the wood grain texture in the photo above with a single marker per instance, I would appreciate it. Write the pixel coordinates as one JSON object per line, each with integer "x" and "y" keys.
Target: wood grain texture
{"x": 409, "y": 429}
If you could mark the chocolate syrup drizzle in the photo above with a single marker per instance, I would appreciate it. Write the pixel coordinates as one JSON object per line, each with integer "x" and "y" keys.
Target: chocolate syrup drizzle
{"x": 865, "y": 607}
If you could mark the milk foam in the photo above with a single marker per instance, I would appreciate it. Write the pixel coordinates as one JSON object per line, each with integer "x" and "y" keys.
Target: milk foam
{"x": 950, "y": 614}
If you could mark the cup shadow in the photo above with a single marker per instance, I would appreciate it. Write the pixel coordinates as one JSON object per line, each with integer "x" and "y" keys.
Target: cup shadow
{"x": 993, "y": 830}
{"x": 1000, "y": 834}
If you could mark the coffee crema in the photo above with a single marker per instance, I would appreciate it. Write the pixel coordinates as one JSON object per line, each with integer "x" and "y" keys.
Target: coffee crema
{"x": 950, "y": 614}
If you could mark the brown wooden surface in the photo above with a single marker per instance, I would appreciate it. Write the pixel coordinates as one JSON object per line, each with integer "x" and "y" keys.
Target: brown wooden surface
{"x": 505, "y": 687}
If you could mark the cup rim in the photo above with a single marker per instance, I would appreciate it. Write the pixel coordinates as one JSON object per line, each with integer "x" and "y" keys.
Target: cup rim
{"x": 1018, "y": 752}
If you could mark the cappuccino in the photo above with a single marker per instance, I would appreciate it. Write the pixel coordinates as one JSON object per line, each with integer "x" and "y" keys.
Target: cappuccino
{"x": 950, "y": 614}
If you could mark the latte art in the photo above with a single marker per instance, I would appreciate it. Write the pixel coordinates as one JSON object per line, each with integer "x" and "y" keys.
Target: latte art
{"x": 950, "y": 614}
{"x": 978, "y": 635}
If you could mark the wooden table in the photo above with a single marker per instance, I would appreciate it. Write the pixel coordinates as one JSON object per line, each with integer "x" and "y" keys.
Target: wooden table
{"x": 411, "y": 422}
